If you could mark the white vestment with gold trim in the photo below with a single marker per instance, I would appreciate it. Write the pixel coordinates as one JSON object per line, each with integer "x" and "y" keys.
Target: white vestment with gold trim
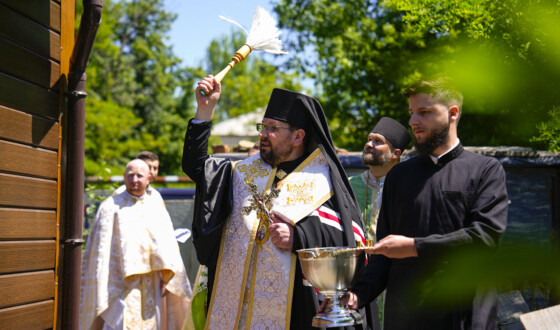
{"x": 131, "y": 249}
{"x": 254, "y": 281}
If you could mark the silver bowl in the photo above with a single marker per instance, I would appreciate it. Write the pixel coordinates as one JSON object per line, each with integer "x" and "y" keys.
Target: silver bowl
{"x": 332, "y": 271}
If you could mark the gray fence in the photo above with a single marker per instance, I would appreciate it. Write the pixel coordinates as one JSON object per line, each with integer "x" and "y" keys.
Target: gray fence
{"x": 532, "y": 183}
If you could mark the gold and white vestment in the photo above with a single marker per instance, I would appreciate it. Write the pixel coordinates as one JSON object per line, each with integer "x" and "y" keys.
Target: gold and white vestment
{"x": 132, "y": 249}
{"x": 254, "y": 280}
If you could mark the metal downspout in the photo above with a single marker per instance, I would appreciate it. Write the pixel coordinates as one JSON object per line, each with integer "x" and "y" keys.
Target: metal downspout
{"x": 74, "y": 194}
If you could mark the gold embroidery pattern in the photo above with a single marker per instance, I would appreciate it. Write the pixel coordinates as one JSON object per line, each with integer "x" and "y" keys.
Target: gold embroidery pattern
{"x": 252, "y": 171}
{"x": 269, "y": 290}
{"x": 300, "y": 193}
{"x": 268, "y": 272}
{"x": 226, "y": 309}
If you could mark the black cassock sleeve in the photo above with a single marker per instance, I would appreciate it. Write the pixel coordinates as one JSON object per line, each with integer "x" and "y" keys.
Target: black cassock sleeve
{"x": 213, "y": 197}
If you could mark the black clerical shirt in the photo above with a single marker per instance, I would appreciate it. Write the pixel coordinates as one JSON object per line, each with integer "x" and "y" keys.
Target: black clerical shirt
{"x": 459, "y": 203}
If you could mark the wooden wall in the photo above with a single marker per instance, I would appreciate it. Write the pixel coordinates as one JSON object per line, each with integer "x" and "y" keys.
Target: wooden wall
{"x": 30, "y": 107}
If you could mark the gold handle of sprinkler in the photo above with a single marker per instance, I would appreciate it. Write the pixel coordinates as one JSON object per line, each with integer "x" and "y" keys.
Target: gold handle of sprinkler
{"x": 236, "y": 59}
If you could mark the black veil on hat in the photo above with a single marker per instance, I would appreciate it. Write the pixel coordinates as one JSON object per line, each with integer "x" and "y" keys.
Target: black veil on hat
{"x": 393, "y": 131}
{"x": 305, "y": 112}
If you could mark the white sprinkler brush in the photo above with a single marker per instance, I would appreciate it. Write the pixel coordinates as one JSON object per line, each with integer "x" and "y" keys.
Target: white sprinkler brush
{"x": 262, "y": 36}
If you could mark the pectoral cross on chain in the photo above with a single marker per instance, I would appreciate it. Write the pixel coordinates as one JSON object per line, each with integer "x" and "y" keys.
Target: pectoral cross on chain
{"x": 260, "y": 202}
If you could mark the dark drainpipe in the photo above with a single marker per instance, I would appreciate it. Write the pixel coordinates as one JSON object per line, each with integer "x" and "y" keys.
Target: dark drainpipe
{"x": 74, "y": 205}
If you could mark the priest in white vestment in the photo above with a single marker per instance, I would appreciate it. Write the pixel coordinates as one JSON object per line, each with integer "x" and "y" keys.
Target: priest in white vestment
{"x": 133, "y": 276}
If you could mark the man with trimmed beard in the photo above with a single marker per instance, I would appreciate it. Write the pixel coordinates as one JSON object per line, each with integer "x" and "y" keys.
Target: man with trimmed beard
{"x": 255, "y": 280}
{"x": 385, "y": 145}
{"x": 383, "y": 149}
{"x": 444, "y": 201}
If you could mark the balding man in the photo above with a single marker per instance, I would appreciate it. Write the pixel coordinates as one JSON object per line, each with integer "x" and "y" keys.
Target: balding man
{"x": 153, "y": 164}
{"x": 133, "y": 276}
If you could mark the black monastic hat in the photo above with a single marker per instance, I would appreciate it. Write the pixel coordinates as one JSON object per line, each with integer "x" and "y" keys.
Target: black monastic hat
{"x": 305, "y": 112}
{"x": 289, "y": 107}
{"x": 393, "y": 131}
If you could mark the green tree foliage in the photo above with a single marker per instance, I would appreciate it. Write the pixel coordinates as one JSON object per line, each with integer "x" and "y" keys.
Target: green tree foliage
{"x": 249, "y": 84}
{"x": 140, "y": 97}
{"x": 549, "y": 131}
{"x": 505, "y": 55}
{"x": 108, "y": 144}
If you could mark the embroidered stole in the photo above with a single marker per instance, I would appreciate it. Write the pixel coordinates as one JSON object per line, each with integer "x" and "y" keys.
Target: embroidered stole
{"x": 254, "y": 282}
{"x": 373, "y": 205}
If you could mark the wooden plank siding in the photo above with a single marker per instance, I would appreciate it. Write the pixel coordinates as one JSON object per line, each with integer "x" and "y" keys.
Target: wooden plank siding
{"x": 20, "y": 95}
{"x": 26, "y": 288}
{"x": 18, "y": 126}
{"x": 24, "y": 256}
{"x": 31, "y": 316}
{"x": 29, "y": 34}
{"x": 21, "y": 191}
{"x": 27, "y": 224}
{"x": 32, "y": 161}
{"x": 43, "y": 12}
{"x": 31, "y": 101}
{"x": 18, "y": 61}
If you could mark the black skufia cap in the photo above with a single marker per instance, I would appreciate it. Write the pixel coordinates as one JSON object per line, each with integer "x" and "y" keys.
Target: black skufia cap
{"x": 393, "y": 131}
{"x": 289, "y": 107}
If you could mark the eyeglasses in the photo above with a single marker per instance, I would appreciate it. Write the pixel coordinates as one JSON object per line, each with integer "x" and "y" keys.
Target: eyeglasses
{"x": 271, "y": 129}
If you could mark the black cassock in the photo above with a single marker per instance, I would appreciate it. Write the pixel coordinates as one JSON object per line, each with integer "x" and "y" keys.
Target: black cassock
{"x": 459, "y": 203}
{"x": 213, "y": 201}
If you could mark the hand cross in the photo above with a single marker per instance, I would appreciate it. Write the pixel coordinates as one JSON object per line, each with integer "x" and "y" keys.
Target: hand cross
{"x": 260, "y": 201}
